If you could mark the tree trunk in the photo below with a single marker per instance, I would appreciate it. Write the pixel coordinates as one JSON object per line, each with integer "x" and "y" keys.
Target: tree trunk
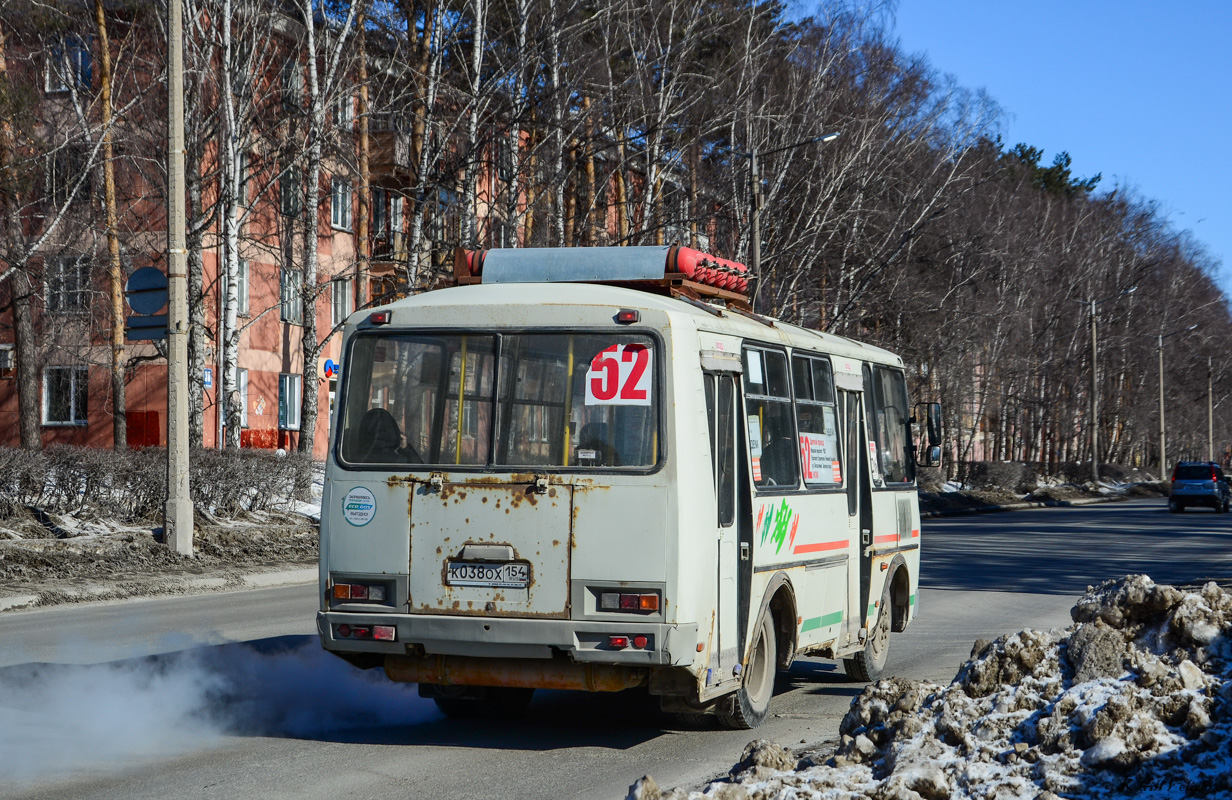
{"x": 363, "y": 241}
{"x": 119, "y": 426}
{"x": 23, "y": 316}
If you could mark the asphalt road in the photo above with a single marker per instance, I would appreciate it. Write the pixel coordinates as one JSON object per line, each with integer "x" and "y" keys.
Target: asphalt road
{"x": 229, "y": 696}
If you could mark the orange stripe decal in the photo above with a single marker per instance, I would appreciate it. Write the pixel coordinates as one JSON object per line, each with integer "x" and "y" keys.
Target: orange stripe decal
{"x": 817, "y": 548}
{"x": 893, "y": 537}
{"x": 915, "y": 534}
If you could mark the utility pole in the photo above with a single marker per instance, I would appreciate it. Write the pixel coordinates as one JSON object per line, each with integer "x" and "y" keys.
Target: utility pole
{"x": 1095, "y": 379}
{"x": 1094, "y": 402}
{"x": 1163, "y": 452}
{"x": 1163, "y": 448}
{"x": 1210, "y": 411}
{"x": 178, "y": 513}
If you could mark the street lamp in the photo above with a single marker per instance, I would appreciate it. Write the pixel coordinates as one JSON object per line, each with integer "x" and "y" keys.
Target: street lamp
{"x": 1095, "y": 380}
{"x": 755, "y": 188}
{"x": 1163, "y": 453}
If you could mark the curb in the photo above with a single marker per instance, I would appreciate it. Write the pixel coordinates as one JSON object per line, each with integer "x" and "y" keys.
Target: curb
{"x": 1081, "y": 501}
{"x": 175, "y": 586}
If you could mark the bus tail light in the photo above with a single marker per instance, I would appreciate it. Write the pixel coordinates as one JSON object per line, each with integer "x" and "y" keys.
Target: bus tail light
{"x": 628, "y": 601}
{"x": 371, "y": 592}
{"x": 640, "y": 641}
{"x": 384, "y": 633}
{"x": 618, "y": 642}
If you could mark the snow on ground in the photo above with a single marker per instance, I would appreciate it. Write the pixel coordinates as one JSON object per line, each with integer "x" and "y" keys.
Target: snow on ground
{"x": 1132, "y": 700}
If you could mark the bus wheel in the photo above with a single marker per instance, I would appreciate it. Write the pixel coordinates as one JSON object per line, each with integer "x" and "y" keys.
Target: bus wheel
{"x": 748, "y": 706}
{"x": 869, "y": 663}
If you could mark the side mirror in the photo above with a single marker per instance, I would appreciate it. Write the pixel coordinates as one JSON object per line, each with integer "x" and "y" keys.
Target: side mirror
{"x": 930, "y": 448}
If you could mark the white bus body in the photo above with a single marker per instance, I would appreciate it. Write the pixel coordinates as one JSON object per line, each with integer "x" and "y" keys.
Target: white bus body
{"x": 632, "y": 490}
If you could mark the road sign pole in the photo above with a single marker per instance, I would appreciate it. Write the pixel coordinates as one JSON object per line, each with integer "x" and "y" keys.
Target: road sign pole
{"x": 178, "y": 514}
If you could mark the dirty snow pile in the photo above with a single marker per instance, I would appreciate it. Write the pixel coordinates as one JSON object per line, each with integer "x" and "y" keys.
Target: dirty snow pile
{"x": 1132, "y": 700}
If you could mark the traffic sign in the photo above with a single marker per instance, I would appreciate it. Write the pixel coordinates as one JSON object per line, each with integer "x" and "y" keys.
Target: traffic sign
{"x": 147, "y": 328}
{"x": 147, "y": 290}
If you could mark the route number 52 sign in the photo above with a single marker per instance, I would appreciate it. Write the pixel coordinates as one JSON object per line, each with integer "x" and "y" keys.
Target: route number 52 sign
{"x": 620, "y": 375}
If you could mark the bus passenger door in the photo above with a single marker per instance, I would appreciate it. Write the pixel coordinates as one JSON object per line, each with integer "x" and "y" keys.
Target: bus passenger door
{"x": 721, "y": 408}
{"x": 859, "y": 513}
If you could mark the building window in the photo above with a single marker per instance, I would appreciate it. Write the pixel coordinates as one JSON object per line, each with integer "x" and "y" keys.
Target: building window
{"x": 341, "y": 300}
{"x": 290, "y": 285}
{"x": 241, "y": 288}
{"x": 68, "y": 285}
{"x": 289, "y": 395}
{"x": 244, "y": 168}
{"x": 395, "y": 214}
{"x": 241, "y": 382}
{"x": 70, "y": 65}
{"x": 292, "y": 85}
{"x": 289, "y": 192}
{"x": 380, "y": 219}
{"x": 65, "y": 167}
{"x": 340, "y": 204}
{"x": 344, "y": 111}
{"x": 66, "y": 394}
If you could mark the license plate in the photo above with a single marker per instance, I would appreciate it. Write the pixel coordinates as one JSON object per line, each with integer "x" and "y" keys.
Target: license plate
{"x": 469, "y": 573}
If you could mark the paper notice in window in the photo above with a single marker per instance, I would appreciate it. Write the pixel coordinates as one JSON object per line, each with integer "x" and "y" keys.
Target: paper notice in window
{"x": 819, "y": 458}
{"x": 755, "y": 435}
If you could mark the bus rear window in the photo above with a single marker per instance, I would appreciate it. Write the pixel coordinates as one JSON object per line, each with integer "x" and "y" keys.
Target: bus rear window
{"x": 558, "y": 400}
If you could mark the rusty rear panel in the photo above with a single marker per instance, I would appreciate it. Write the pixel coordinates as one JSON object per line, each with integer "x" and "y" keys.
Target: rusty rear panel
{"x": 534, "y": 521}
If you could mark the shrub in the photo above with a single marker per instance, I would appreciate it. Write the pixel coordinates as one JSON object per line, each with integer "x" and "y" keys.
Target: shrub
{"x": 131, "y": 485}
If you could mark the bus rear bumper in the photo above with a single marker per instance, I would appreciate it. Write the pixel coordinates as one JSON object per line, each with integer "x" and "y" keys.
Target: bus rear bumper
{"x": 583, "y": 641}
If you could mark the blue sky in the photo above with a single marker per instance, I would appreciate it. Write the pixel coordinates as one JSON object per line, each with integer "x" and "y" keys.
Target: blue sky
{"x": 1137, "y": 91}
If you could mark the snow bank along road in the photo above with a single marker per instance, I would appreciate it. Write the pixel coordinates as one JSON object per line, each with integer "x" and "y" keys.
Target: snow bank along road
{"x": 145, "y": 699}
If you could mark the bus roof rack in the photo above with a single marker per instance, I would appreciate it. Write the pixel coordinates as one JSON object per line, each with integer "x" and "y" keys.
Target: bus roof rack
{"x": 672, "y": 270}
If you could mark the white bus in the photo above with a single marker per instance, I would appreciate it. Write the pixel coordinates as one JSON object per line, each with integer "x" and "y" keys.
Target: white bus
{"x": 595, "y": 469}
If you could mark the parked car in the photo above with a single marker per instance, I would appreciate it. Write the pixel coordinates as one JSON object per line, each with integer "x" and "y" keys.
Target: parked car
{"x": 1199, "y": 483}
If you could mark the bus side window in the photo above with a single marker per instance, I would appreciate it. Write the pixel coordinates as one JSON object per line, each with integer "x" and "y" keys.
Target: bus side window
{"x": 820, "y": 457}
{"x": 720, "y": 414}
{"x": 893, "y": 431}
{"x": 772, "y": 428}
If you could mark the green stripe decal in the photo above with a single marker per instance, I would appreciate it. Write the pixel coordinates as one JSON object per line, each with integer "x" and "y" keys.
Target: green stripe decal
{"x": 826, "y": 621}
{"x": 872, "y": 611}
{"x": 911, "y": 601}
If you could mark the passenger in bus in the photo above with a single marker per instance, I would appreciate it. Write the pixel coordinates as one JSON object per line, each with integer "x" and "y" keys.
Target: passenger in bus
{"x": 778, "y": 461}
{"x": 379, "y": 441}
{"x": 593, "y": 439}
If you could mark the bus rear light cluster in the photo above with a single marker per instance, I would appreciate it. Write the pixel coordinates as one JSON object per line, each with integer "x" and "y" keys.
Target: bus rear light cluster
{"x": 618, "y": 601}
{"x": 639, "y": 642}
{"x": 373, "y": 593}
{"x": 381, "y": 633}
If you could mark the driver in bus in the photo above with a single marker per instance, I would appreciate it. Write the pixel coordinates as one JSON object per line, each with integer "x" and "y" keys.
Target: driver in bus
{"x": 379, "y": 441}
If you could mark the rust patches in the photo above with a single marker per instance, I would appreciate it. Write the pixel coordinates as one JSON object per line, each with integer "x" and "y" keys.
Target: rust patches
{"x": 438, "y": 551}
{"x": 556, "y": 542}
{"x": 483, "y": 499}
{"x": 552, "y": 492}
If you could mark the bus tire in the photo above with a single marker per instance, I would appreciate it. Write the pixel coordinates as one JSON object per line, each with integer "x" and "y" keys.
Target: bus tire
{"x": 748, "y": 706}
{"x": 869, "y": 663}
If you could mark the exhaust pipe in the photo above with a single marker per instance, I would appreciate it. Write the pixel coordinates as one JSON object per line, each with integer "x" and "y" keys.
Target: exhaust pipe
{"x": 513, "y": 673}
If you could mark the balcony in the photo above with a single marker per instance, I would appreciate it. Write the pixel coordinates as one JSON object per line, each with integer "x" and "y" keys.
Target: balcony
{"x": 389, "y": 152}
